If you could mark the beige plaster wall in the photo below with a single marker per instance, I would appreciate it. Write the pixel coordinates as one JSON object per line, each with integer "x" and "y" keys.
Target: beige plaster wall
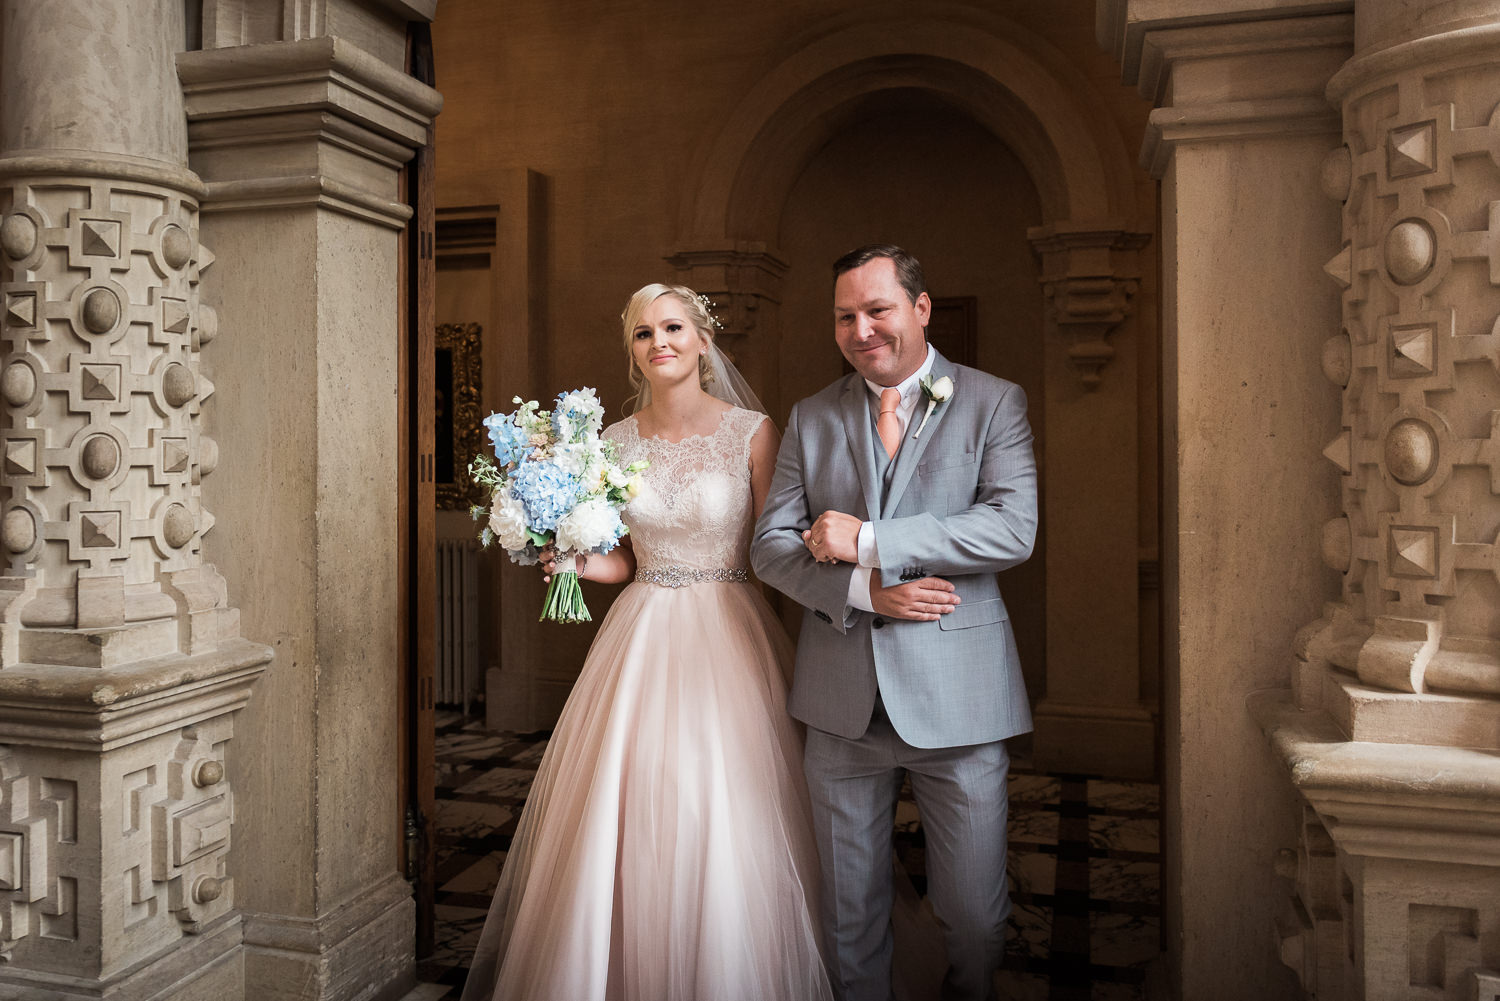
{"x": 615, "y": 104}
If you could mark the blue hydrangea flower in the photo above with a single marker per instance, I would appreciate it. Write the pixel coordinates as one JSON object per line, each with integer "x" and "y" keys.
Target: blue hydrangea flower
{"x": 546, "y": 492}
{"x": 511, "y": 443}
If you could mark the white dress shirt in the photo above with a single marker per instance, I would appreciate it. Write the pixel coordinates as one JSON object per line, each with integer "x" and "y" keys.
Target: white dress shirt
{"x": 869, "y": 556}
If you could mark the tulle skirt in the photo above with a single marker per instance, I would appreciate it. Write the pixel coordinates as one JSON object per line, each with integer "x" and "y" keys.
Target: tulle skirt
{"x": 665, "y": 852}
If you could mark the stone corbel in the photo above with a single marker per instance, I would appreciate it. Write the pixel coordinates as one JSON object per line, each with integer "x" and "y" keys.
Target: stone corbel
{"x": 1088, "y": 277}
{"x": 740, "y": 279}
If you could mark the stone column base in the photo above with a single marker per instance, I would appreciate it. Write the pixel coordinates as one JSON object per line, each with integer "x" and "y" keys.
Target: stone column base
{"x": 205, "y": 967}
{"x": 1118, "y": 741}
{"x": 361, "y": 949}
{"x": 1395, "y": 877}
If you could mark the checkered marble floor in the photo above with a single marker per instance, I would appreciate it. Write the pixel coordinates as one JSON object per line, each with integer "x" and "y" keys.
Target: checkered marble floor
{"x": 1085, "y": 867}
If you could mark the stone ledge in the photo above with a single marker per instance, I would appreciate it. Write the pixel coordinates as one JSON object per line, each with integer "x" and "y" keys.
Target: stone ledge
{"x": 84, "y": 708}
{"x": 1473, "y": 44}
{"x": 114, "y": 168}
{"x": 1410, "y": 801}
{"x": 1121, "y": 26}
{"x": 199, "y": 966}
{"x": 252, "y": 80}
{"x": 264, "y": 193}
{"x": 1232, "y": 121}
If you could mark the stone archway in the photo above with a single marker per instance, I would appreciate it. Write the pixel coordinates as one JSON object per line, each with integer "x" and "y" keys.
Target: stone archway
{"x": 1016, "y": 86}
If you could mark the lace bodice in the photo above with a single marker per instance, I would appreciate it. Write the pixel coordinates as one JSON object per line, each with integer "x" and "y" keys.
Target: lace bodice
{"x": 694, "y": 511}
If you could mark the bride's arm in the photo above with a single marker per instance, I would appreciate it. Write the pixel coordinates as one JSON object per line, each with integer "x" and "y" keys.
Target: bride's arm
{"x": 613, "y": 567}
{"x": 763, "y": 448}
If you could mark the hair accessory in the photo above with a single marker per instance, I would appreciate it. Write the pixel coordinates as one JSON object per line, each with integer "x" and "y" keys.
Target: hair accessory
{"x": 708, "y": 307}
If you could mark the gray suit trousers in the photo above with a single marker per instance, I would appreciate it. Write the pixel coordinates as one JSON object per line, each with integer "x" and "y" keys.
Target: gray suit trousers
{"x": 961, "y": 794}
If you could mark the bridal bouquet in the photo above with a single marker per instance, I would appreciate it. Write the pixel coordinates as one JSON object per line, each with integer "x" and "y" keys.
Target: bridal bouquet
{"x": 554, "y": 481}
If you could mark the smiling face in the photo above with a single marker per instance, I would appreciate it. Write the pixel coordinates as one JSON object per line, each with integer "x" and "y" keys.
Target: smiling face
{"x": 664, "y": 343}
{"x": 880, "y": 331}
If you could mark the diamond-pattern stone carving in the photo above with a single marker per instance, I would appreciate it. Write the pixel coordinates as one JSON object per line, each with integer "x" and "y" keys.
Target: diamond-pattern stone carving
{"x": 174, "y": 316}
{"x": 100, "y": 529}
{"x": 1420, "y": 274}
{"x": 1412, "y": 351}
{"x": 100, "y": 382}
{"x": 100, "y": 237}
{"x": 20, "y": 309}
{"x": 175, "y": 456}
{"x": 21, "y": 457}
{"x": 1341, "y": 267}
{"x": 97, "y": 470}
{"x": 1340, "y": 452}
{"x": 1413, "y": 552}
{"x": 1411, "y": 150}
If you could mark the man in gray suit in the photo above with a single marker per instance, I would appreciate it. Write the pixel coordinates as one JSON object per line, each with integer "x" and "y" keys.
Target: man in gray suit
{"x": 899, "y": 491}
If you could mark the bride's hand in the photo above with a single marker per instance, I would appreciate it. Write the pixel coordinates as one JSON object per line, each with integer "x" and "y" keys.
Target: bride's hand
{"x": 548, "y": 555}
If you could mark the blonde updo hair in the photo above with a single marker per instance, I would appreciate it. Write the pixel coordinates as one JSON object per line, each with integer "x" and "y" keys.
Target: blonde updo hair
{"x": 696, "y": 313}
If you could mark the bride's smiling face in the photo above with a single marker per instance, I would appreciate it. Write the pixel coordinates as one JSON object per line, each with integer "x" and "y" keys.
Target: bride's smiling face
{"x": 665, "y": 344}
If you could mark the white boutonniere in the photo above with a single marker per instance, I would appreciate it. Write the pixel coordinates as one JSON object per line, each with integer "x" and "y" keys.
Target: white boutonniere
{"x": 937, "y": 392}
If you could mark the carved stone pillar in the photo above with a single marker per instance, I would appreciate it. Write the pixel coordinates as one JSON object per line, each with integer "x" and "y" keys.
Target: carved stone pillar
{"x": 121, "y": 662}
{"x": 745, "y": 282}
{"x": 1091, "y": 718}
{"x": 1392, "y": 725}
{"x": 299, "y": 125}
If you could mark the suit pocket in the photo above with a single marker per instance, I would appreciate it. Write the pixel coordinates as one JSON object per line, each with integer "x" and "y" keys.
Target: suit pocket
{"x": 932, "y": 465}
{"x": 976, "y": 613}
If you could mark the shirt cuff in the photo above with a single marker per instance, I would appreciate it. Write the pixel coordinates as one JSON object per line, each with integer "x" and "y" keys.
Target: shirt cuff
{"x": 859, "y": 589}
{"x": 869, "y": 555}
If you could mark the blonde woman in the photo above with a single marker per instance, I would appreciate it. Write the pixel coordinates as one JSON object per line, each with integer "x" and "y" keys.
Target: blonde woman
{"x": 665, "y": 852}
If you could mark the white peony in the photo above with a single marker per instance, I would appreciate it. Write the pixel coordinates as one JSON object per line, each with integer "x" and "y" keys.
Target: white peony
{"x": 588, "y": 526}
{"x": 508, "y": 521}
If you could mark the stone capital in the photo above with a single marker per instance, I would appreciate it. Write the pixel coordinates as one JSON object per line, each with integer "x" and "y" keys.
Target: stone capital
{"x": 318, "y": 121}
{"x": 1089, "y": 278}
{"x": 1226, "y": 81}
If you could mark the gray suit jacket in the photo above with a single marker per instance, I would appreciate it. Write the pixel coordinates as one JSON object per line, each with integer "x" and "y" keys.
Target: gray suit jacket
{"x": 962, "y": 504}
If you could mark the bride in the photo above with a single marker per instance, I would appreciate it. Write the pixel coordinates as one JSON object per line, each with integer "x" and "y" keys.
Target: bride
{"x": 665, "y": 850}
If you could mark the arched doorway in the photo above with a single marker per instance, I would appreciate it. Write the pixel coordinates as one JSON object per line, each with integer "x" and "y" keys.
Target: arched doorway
{"x": 759, "y": 228}
{"x": 910, "y": 169}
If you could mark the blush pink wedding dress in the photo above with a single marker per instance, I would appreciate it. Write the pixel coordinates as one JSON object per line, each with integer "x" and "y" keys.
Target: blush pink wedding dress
{"x": 665, "y": 852}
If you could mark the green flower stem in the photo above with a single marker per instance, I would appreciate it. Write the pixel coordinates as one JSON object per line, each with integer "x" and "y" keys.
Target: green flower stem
{"x": 564, "y": 601}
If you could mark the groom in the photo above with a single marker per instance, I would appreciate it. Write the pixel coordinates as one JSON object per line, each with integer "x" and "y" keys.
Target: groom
{"x": 899, "y": 492}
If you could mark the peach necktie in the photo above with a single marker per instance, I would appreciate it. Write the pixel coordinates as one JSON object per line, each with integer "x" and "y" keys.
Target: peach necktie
{"x": 888, "y": 424}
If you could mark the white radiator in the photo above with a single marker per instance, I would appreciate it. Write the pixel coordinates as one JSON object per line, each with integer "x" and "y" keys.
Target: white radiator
{"x": 457, "y": 664}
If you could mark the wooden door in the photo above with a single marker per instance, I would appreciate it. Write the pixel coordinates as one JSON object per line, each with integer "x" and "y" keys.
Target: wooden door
{"x": 416, "y": 524}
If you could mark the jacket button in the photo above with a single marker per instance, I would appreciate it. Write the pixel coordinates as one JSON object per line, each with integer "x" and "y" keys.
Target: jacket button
{"x": 879, "y": 622}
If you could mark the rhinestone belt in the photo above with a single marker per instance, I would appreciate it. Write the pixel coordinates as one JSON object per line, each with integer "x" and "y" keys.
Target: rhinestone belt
{"x": 683, "y": 576}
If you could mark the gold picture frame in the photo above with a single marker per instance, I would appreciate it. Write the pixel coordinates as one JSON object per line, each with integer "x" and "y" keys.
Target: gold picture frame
{"x": 458, "y": 435}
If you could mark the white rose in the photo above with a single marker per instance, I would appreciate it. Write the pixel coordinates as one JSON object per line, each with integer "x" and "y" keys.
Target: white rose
{"x": 635, "y": 486}
{"x": 587, "y": 527}
{"x": 942, "y": 390}
{"x": 508, "y": 522}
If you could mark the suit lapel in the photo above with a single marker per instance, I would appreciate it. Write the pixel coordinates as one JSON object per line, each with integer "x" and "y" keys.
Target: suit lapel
{"x": 913, "y": 447}
{"x": 856, "y": 413}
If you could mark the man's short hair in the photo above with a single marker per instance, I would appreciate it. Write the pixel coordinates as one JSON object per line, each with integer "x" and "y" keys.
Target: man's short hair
{"x": 908, "y": 268}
